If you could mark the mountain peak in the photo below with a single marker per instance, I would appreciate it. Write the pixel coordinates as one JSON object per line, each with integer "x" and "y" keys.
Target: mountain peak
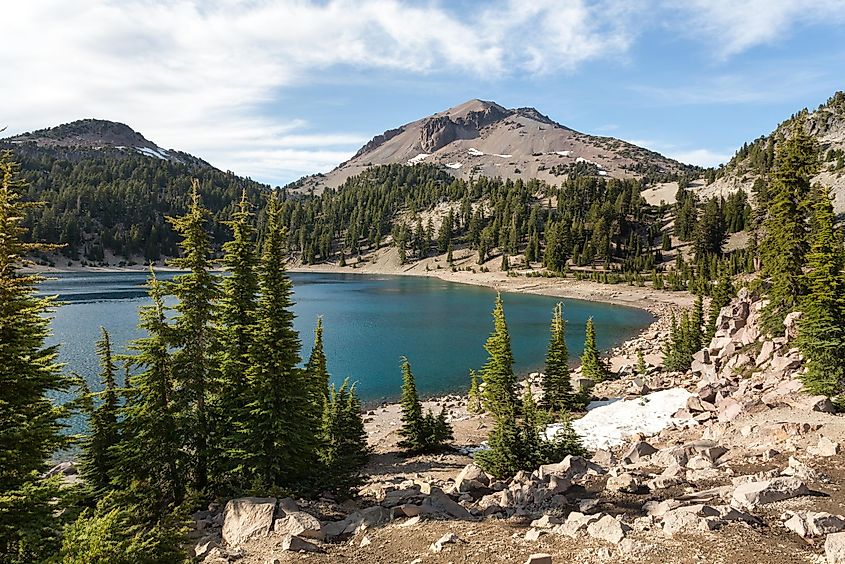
{"x": 87, "y": 133}
{"x": 483, "y": 138}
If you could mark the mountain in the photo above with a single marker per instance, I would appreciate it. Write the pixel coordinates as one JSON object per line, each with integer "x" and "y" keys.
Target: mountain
{"x": 753, "y": 161}
{"x": 107, "y": 190}
{"x": 479, "y": 138}
{"x": 96, "y": 135}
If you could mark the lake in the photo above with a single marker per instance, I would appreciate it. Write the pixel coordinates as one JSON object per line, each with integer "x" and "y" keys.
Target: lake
{"x": 370, "y": 323}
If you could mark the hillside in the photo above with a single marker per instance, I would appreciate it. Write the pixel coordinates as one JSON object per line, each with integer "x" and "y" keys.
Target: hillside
{"x": 753, "y": 160}
{"x": 479, "y": 138}
{"x": 107, "y": 191}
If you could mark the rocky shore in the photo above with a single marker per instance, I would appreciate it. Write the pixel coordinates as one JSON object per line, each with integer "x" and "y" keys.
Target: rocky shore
{"x": 749, "y": 469}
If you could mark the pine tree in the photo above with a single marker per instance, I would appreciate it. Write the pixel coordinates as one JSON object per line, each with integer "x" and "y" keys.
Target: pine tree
{"x": 343, "y": 441}
{"x": 642, "y": 368}
{"x": 474, "y": 401}
{"x": 504, "y": 457}
{"x": 592, "y": 366}
{"x": 151, "y": 452}
{"x": 30, "y": 423}
{"x": 97, "y": 460}
{"x": 720, "y": 297}
{"x": 557, "y": 388}
{"x": 194, "y": 332}
{"x": 413, "y": 422}
{"x": 316, "y": 367}
{"x": 497, "y": 374}
{"x": 279, "y": 440}
{"x": 784, "y": 244}
{"x": 696, "y": 324}
{"x": 821, "y": 329}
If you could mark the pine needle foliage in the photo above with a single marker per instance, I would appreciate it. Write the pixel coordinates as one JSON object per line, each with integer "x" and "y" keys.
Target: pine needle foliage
{"x": 30, "y": 423}
{"x": 821, "y": 329}
{"x": 557, "y": 388}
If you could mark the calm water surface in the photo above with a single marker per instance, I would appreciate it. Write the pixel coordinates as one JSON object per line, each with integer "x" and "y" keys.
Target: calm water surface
{"x": 370, "y": 322}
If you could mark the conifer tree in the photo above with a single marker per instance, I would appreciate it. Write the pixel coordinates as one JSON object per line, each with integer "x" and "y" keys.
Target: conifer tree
{"x": 237, "y": 320}
{"x": 784, "y": 244}
{"x": 821, "y": 329}
{"x": 151, "y": 452}
{"x": 343, "y": 441}
{"x": 280, "y": 442}
{"x": 413, "y": 430}
{"x": 696, "y": 324}
{"x": 557, "y": 388}
{"x": 497, "y": 374}
{"x": 30, "y": 423}
{"x": 316, "y": 367}
{"x": 592, "y": 366}
{"x": 504, "y": 457}
{"x": 194, "y": 332}
{"x": 719, "y": 298}
{"x": 98, "y": 457}
{"x": 641, "y": 365}
{"x": 474, "y": 401}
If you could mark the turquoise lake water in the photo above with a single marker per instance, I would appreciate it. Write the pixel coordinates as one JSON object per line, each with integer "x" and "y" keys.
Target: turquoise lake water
{"x": 370, "y": 322}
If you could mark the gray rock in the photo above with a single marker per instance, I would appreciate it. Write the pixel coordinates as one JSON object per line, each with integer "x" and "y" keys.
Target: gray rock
{"x": 443, "y": 503}
{"x": 471, "y": 479}
{"x": 825, "y": 447}
{"x": 608, "y": 529}
{"x": 624, "y": 482}
{"x": 247, "y": 517}
{"x": 539, "y": 558}
{"x": 638, "y": 452}
{"x": 753, "y": 494}
{"x": 296, "y": 544}
{"x": 299, "y": 523}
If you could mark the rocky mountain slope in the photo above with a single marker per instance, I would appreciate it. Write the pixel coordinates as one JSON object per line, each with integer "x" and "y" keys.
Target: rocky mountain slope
{"x": 752, "y": 161}
{"x": 77, "y": 140}
{"x": 479, "y": 138}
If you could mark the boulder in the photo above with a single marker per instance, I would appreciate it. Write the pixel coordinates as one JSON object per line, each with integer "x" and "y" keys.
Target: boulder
{"x": 825, "y": 447}
{"x": 821, "y": 404}
{"x": 299, "y": 523}
{"x": 637, "y": 452}
{"x": 539, "y": 558}
{"x": 801, "y": 471}
{"x": 471, "y": 479}
{"x": 834, "y": 548}
{"x": 533, "y": 535}
{"x": 247, "y": 517}
{"x": 608, "y": 529}
{"x": 575, "y": 523}
{"x": 294, "y": 543}
{"x": 445, "y": 504}
{"x": 624, "y": 482}
{"x": 545, "y": 522}
{"x": 753, "y": 494}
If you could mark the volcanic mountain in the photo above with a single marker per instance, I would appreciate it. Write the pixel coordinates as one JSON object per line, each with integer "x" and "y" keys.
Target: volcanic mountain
{"x": 479, "y": 138}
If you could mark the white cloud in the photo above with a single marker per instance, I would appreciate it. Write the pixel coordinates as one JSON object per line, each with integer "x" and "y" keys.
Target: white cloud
{"x": 731, "y": 26}
{"x": 199, "y": 77}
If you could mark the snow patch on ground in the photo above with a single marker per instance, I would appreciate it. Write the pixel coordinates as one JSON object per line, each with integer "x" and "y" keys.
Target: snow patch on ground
{"x": 563, "y": 153}
{"x": 418, "y": 159}
{"x": 503, "y": 156}
{"x": 602, "y": 173}
{"x": 454, "y": 165}
{"x": 609, "y": 424}
{"x": 159, "y": 154}
{"x": 473, "y": 152}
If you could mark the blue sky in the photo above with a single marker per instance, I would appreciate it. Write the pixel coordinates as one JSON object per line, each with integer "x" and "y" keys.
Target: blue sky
{"x": 276, "y": 90}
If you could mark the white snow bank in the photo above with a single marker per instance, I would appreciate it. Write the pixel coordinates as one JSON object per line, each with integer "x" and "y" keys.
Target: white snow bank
{"x": 503, "y": 156}
{"x": 418, "y": 159}
{"x": 609, "y": 424}
{"x": 563, "y": 153}
{"x": 160, "y": 154}
{"x": 602, "y": 173}
{"x": 475, "y": 152}
{"x": 454, "y": 165}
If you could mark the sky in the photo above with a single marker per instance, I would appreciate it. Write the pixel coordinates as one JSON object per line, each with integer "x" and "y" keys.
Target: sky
{"x": 275, "y": 90}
